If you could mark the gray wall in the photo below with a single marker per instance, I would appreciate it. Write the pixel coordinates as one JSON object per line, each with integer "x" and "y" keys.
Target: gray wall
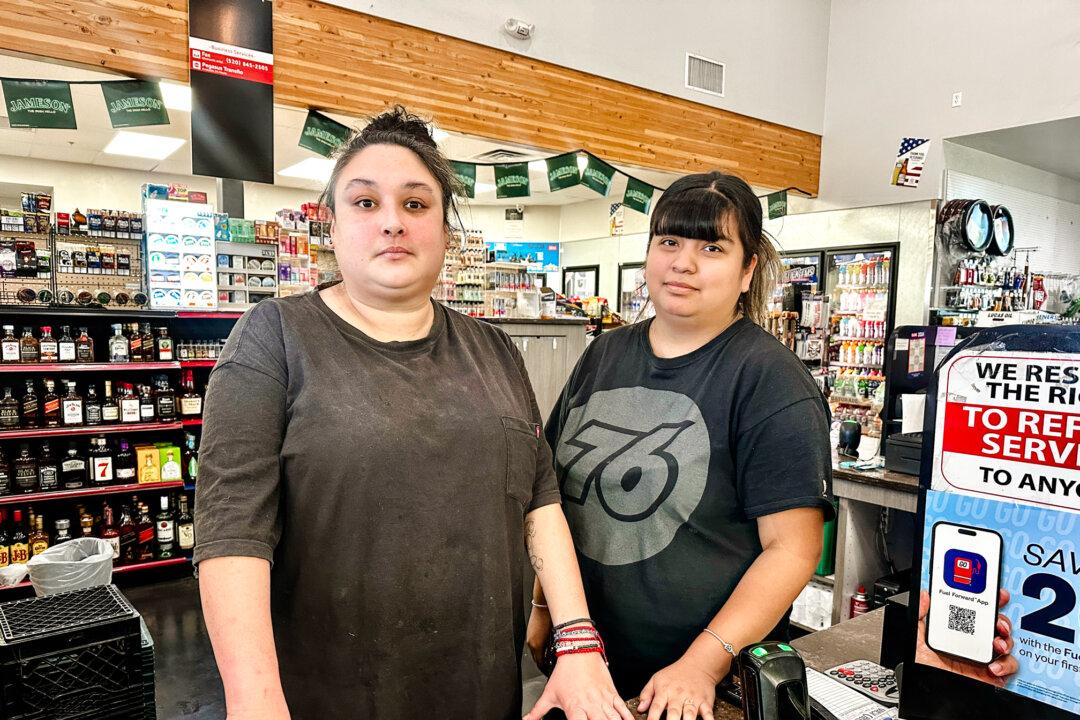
{"x": 774, "y": 49}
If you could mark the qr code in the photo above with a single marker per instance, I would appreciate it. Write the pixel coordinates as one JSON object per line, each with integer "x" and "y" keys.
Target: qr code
{"x": 962, "y": 620}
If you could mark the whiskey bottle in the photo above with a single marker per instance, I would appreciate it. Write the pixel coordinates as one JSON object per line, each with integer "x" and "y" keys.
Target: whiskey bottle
{"x": 109, "y": 532}
{"x": 63, "y": 531}
{"x": 146, "y": 404}
{"x": 6, "y": 485}
{"x": 51, "y": 404}
{"x": 9, "y": 411}
{"x": 29, "y": 408}
{"x": 9, "y": 346}
{"x": 26, "y": 471}
{"x": 93, "y": 407}
{"x": 101, "y": 461}
{"x": 170, "y": 469}
{"x": 65, "y": 346}
{"x": 86, "y": 522}
{"x": 147, "y": 338}
{"x": 164, "y": 399}
{"x": 20, "y": 542}
{"x": 150, "y": 472}
{"x": 50, "y": 349}
{"x": 144, "y": 536}
{"x": 110, "y": 409}
{"x": 190, "y": 401}
{"x": 29, "y": 347}
{"x": 126, "y": 464}
{"x": 163, "y": 345}
{"x": 84, "y": 347}
{"x": 135, "y": 352}
{"x": 5, "y": 541}
{"x": 118, "y": 345}
{"x": 73, "y": 475}
{"x": 166, "y": 531}
{"x": 189, "y": 459}
{"x": 39, "y": 539}
{"x": 129, "y": 405}
{"x": 48, "y": 469}
{"x": 127, "y": 536}
{"x": 185, "y": 526}
{"x": 72, "y": 406}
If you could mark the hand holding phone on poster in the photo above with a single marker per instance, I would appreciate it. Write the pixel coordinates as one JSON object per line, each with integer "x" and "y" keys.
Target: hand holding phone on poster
{"x": 995, "y": 673}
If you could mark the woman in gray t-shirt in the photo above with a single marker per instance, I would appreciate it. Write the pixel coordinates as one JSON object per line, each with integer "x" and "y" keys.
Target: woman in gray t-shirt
{"x": 372, "y": 475}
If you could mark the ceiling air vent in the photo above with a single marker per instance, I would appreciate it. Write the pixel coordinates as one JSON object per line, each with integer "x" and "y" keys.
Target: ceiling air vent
{"x": 501, "y": 155}
{"x": 704, "y": 75}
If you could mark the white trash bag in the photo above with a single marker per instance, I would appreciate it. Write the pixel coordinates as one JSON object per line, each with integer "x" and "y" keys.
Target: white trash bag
{"x": 72, "y": 565}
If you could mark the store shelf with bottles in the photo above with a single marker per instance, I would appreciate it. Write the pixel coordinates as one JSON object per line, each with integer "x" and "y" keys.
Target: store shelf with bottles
{"x": 77, "y": 430}
{"x": 863, "y": 366}
{"x": 58, "y": 368}
{"x": 124, "y": 569}
{"x": 55, "y": 495}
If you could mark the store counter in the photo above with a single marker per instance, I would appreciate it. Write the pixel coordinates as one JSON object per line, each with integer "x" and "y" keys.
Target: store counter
{"x": 856, "y": 639}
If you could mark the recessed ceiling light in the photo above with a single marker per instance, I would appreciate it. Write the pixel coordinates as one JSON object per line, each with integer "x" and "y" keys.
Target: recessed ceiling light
{"x": 485, "y": 187}
{"x": 310, "y": 169}
{"x": 582, "y": 162}
{"x": 175, "y": 96}
{"x": 154, "y": 147}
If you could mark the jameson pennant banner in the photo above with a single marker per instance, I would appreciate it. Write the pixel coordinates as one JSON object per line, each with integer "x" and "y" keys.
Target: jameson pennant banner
{"x": 562, "y": 171}
{"x": 638, "y": 195}
{"x": 777, "y": 204}
{"x": 466, "y": 175}
{"x": 323, "y": 135}
{"x": 39, "y": 104}
{"x": 512, "y": 180}
{"x": 598, "y": 175}
{"x": 134, "y": 103}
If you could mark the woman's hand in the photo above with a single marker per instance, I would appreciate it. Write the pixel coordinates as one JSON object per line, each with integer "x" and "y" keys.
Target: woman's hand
{"x": 581, "y": 687}
{"x": 685, "y": 689}
{"x": 537, "y": 634}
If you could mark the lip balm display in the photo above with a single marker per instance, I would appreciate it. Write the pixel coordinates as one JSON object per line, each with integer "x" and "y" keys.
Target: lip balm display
{"x": 180, "y": 254}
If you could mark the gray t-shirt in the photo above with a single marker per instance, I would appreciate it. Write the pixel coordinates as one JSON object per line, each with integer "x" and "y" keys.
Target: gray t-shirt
{"x": 388, "y": 483}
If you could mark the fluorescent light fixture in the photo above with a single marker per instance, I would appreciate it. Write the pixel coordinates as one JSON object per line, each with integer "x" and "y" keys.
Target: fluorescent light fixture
{"x": 175, "y": 96}
{"x": 485, "y": 187}
{"x": 310, "y": 169}
{"x": 133, "y": 144}
{"x": 582, "y": 162}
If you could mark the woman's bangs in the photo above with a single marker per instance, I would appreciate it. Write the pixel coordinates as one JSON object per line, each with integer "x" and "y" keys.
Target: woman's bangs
{"x": 695, "y": 214}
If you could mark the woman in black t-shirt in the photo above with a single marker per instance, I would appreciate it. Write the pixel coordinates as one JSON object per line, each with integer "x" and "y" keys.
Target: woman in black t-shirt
{"x": 692, "y": 452}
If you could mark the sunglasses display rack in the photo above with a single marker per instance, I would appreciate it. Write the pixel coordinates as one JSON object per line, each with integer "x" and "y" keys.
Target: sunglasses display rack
{"x": 25, "y": 268}
{"x": 246, "y": 274}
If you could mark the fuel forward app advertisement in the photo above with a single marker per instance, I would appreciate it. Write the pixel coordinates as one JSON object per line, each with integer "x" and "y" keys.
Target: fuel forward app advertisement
{"x": 1001, "y": 539}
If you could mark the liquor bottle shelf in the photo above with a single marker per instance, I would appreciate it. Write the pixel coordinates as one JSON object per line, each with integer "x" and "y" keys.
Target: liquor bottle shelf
{"x": 124, "y": 569}
{"x": 208, "y": 315}
{"x": 117, "y": 314}
{"x": 197, "y": 363}
{"x": 64, "y": 368}
{"x": 88, "y": 430}
{"x": 192, "y": 422}
{"x": 89, "y": 492}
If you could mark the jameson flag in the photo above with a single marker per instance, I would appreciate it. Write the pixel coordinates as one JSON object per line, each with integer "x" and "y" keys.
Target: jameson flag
{"x": 512, "y": 180}
{"x": 466, "y": 175}
{"x": 322, "y": 134}
{"x": 562, "y": 171}
{"x": 638, "y": 195}
{"x": 39, "y": 104}
{"x": 134, "y": 103}
{"x": 777, "y": 203}
{"x": 598, "y": 175}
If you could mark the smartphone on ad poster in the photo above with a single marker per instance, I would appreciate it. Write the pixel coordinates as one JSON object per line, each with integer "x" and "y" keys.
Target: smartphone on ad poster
{"x": 965, "y": 575}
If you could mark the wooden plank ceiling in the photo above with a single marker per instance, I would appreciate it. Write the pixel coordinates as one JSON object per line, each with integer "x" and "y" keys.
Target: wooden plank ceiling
{"x": 339, "y": 60}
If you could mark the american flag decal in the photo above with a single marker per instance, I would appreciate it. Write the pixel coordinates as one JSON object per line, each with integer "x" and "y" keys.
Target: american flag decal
{"x": 909, "y": 162}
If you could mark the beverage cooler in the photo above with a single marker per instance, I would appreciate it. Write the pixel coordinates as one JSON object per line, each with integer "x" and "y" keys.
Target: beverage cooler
{"x": 798, "y": 311}
{"x": 861, "y": 284}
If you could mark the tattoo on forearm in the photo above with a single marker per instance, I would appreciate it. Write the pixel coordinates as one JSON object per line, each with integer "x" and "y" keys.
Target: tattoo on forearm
{"x": 535, "y": 560}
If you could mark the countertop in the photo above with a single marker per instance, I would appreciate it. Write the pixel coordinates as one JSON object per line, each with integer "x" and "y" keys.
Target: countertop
{"x": 880, "y": 478}
{"x": 537, "y": 321}
{"x": 189, "y": 687}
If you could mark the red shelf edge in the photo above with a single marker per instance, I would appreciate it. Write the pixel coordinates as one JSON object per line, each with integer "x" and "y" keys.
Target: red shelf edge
{"x": 89, "y": 492}
{"x": 197, "y": 363}
{"x": 87, "y": 367}
{"x": 87, "y": 430}
{"x": 122, "y": 569}
{"x": 209, "y": 315}
{"x": 192, "y": 423}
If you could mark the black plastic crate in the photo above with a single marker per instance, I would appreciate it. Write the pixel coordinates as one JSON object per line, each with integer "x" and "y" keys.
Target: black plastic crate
{"x": 72, "y": 656}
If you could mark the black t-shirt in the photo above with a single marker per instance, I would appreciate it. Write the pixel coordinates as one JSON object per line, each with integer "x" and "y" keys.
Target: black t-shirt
{"x": 664, "y": 465}
{"x": 388, "y": 483}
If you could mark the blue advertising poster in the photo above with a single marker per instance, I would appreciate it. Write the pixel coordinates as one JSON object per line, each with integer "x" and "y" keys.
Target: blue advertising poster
{"x": 1000, "y": 558}
{"x": 541, "y": 257}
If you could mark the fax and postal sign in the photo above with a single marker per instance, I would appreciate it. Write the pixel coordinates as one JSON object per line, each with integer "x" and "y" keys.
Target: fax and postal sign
{"x": 1008, "y": 426}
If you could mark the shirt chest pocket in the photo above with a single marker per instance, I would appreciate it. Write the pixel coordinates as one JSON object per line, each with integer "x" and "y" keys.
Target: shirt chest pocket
{"x": 522, "y": 439}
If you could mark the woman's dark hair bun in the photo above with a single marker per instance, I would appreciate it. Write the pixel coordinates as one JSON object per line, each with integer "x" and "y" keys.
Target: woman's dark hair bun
{"x": 398, "y": 121}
